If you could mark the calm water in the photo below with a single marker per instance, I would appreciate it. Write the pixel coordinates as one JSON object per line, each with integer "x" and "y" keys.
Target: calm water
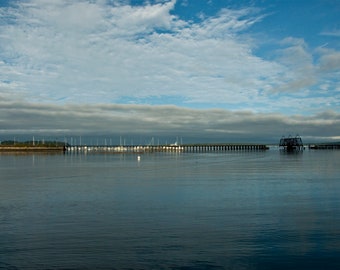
{"x": 234, "y": 210}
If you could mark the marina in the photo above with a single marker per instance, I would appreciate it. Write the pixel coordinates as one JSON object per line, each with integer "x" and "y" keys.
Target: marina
{"x": 34, "y": 149}
{"x": 165, "y": 148}
{"x": 286, "y": 144}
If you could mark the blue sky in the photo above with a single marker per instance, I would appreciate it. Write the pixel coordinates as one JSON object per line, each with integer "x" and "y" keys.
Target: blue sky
{"x": 266, "y": 67}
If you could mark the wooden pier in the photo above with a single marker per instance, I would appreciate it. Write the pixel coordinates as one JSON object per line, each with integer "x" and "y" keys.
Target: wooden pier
{"x": 324, "y": 146}
{"x": 193, "y": 148}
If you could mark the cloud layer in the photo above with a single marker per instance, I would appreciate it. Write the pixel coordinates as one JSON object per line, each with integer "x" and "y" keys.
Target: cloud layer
{"x": 109, "y": 67}
{"x": 96, "y": 52}
{"x": 167, "y": 122}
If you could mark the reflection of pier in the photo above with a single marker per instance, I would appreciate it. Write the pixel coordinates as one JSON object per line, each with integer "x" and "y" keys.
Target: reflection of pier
{"x": 166, "y": 148}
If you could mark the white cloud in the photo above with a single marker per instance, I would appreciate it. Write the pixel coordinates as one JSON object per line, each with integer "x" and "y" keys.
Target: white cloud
{"x": 94, "y": 52}
{"x": 300, "y": 71}
{"x": 333, "y": 33}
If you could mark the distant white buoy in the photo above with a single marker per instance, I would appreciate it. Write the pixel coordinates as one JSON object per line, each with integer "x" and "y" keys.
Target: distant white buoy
{"x": 138, "y": 158}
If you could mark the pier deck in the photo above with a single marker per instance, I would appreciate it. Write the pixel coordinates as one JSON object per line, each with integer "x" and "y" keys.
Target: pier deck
{"x": 324, "y": 146}
{"x": 168, "y": 148}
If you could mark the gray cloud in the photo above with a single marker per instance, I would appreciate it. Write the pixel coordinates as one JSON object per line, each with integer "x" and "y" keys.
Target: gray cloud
{"x": 329, "y": 60}
{"x": 162, "y": 121}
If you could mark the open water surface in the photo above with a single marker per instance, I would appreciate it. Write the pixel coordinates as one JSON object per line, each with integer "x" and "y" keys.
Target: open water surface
{"x": 232, "y": 210}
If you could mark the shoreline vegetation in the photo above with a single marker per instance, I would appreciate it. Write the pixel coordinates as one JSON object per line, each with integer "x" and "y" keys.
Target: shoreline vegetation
{"x": 31, "y": 146}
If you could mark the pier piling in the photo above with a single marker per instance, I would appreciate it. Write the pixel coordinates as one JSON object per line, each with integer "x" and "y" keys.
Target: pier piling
{"x": 168, "y": 148}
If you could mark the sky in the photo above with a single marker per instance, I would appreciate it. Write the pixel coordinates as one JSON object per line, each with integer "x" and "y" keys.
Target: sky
{"x": 212, "y": 70}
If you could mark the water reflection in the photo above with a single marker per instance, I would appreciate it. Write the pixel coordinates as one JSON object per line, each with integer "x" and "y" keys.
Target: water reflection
{"x": 254, "y": 210}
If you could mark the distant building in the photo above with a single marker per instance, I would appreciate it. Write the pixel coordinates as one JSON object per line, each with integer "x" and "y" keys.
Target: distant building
{"x": 291, "y": 143}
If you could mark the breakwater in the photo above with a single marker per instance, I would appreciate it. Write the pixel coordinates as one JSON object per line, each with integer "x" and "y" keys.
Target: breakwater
{"x": 167, "y": 148}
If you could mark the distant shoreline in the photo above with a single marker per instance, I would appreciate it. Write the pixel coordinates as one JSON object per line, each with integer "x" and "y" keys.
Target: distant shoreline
{"x": 32, "y": 148}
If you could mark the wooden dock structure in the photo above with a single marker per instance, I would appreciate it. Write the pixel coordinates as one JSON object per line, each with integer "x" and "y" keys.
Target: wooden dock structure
{"x": 291, "y": 143}
{"x": 324, "y": 146}
{"x": 187, "y": 148}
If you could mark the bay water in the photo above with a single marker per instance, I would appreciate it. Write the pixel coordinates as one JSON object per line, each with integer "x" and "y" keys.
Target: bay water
{"x": 227, "y": 210}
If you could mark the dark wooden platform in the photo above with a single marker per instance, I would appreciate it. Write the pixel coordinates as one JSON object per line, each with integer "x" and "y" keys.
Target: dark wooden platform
{"x": 324, "y": 146}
